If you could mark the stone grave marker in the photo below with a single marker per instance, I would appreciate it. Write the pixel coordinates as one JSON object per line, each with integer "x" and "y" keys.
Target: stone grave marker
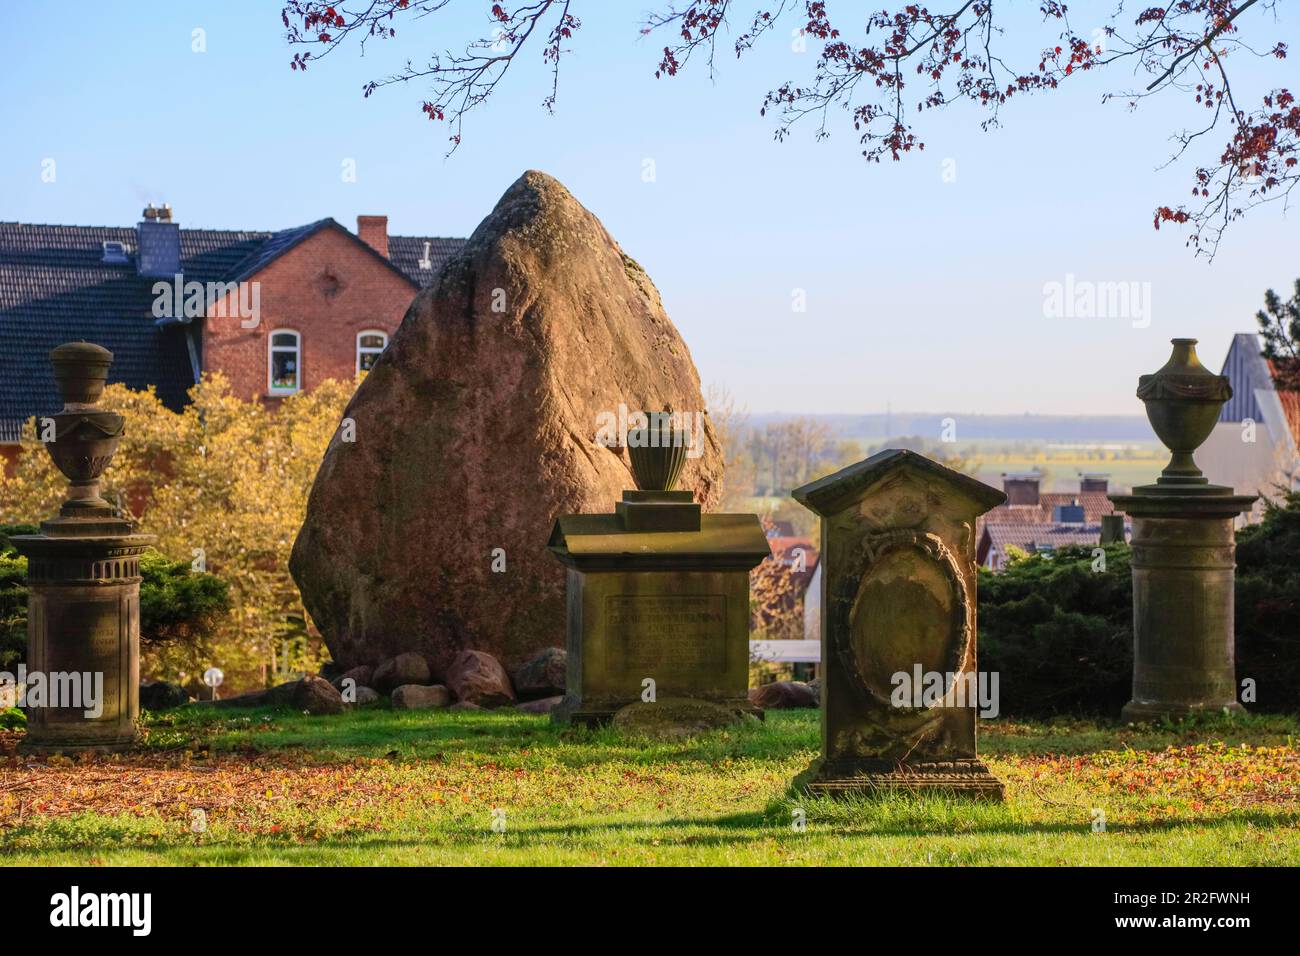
{"x": 900, "y": 685}
{"x": 657, "y": 592}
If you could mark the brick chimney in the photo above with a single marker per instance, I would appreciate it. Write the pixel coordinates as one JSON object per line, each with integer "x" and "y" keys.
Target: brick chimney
{"x": 1021, "y": 488}
{"x": 373, "y": 231}
{"x": 1094, "y": 482}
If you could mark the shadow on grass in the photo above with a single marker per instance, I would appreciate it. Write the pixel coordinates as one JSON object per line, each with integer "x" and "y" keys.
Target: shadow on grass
{"x": 733, "y": 831}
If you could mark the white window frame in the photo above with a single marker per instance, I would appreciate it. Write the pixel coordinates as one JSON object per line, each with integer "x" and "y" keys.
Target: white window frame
{"x": 271, "y": 349}
{"x": 370, "y": 349}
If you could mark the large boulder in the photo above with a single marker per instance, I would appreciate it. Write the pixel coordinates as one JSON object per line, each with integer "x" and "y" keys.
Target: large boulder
{"x": 316, "y": 695}
{"x": 477, "y": 427}
{"x": 480, "y": 679}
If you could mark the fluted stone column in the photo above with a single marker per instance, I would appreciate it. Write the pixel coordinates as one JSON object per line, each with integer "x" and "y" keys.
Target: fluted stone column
{"x": 1184, "y": 549}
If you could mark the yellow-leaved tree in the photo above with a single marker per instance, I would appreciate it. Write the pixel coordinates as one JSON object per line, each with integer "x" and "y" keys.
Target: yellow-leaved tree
{"x": 223, "y": 484}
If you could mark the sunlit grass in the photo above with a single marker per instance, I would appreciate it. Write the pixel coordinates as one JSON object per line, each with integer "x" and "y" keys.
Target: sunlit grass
{"x": 386, "y": 787}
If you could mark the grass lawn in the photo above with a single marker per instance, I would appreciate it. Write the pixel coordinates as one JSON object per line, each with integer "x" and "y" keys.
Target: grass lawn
{"x": 384, "y": 787}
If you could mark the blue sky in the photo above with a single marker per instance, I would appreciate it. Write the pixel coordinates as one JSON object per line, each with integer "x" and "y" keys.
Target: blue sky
{"x": 921, "y": 293}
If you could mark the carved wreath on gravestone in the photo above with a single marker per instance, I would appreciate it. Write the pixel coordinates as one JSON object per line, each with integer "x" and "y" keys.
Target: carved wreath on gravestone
{"x": 902, "y": 603}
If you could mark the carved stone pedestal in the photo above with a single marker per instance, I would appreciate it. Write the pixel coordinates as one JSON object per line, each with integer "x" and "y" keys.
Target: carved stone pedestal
{"x": 671, "y": 607}
{"x": 1183, "y": 605}
{"x": 1183, "y": 553}
{"x": 964, "y": 777}
{"x": 83, "y": 580}
{"x": 83, "y": 617}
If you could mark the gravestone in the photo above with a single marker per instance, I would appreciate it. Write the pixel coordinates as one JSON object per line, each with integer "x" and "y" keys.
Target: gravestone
{"x": 83, "y": 578}
{"x": 657, "y": 593}
{"x": 1184, "y": 553}
{"x": 900, "y": 686}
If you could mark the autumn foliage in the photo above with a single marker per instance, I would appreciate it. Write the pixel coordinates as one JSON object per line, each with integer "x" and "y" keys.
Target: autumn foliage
{"x": 223, "y": 484}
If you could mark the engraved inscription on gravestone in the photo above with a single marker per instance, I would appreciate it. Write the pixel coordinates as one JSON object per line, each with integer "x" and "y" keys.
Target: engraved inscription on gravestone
{"x": 95, "y": 651}
{"x": 666, "y": 631}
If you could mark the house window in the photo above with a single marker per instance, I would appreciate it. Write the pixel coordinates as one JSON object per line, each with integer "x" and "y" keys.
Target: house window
{"x": 285, "y": 359}
{"x": 370, "y": 345}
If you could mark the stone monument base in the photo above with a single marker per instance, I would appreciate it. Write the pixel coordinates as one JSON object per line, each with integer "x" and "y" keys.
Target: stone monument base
{"x": 1183, "y": 561}
{"x": 599, "y": 714}
{"x": 963, "y": 778}
{"x": 118, "y": 746}
{"x": 1151, "y": 711}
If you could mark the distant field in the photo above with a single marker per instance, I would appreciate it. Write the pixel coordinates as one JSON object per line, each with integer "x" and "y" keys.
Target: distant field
{"x": 1127, "y": 462}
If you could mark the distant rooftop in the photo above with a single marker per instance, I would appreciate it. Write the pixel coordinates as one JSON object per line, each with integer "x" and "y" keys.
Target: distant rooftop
{"x": 64, "y": 283}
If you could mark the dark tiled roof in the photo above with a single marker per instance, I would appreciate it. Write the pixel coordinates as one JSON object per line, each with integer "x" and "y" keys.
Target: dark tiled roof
{"x": 1095, "y": 505}
{"x": 55, "y": 288}
{"x": 408, "y": 254}
{"x": 999, "y": 536}
{"x": 1025, "y": 536}
{"x": 1247, "y": 370}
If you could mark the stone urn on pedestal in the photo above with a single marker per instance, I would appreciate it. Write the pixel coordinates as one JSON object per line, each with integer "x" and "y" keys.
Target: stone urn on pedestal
{"x": 1184, "y": 553}
{"x": 657, "y": 592}
{"x": 83, "y": 580}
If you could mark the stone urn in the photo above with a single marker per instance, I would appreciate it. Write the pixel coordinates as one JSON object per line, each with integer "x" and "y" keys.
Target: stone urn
{"x": 85, "y": 437}
{"x": 1183, "y": 400}
{"x": 81, "y": 371}
{"x": 657, "y": 452}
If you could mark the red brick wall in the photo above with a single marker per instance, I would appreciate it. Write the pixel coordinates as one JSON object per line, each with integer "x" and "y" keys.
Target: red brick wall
{"x": 327, "y": 289}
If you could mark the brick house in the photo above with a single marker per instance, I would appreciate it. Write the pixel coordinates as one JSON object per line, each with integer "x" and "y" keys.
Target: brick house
{"x": 276, "y": 312}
